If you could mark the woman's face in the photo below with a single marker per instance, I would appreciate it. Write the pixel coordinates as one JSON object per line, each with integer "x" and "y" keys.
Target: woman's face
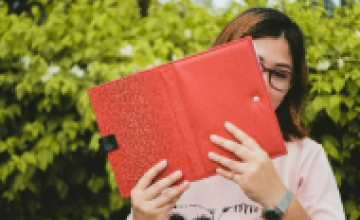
{"x": 274, "y": 53}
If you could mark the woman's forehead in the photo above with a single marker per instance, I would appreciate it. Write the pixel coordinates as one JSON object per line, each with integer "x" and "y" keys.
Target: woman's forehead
{"x": 273, "y": 51}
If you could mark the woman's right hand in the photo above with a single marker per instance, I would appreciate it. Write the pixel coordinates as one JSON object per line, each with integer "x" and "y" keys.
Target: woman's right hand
{"x": 155, "y": 201}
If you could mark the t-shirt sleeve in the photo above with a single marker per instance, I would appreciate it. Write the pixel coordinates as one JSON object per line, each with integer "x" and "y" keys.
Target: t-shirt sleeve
{"x": 317, "y": 189}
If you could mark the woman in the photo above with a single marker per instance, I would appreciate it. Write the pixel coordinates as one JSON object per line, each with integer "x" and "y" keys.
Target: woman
{"x": 300, "y": 185}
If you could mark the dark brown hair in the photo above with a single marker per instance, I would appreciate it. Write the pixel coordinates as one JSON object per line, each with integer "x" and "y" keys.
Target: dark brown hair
{"x": 266, "y": 22}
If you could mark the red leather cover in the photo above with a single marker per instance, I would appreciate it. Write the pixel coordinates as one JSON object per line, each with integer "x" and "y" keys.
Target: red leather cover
{"x": 170, "y": 111}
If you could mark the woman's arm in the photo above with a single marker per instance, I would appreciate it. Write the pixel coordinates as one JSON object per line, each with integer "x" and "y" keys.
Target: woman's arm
{"x": 295, "y": 211}
{"x": 257, "y": 177}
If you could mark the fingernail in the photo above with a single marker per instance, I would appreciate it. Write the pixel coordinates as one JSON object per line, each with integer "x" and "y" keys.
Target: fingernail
{"x": 228, "y": 125}
{"x": 214, "y": 138}
{"x": 211, "y": 155}
{"x": 185, "y": 183}
{"x": 163, "y": 163}
{"x": 178, "y": 173}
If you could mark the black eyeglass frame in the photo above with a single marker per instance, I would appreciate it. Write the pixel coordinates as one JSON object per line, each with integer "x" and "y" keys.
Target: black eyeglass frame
{"x": 271, "y": 72}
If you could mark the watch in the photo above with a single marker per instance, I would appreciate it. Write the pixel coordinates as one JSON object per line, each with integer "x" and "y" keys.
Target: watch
{"x": 277, "y": 212}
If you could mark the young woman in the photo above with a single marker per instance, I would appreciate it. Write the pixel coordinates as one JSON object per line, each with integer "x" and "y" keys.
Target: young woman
{"x": 300, "y": 185}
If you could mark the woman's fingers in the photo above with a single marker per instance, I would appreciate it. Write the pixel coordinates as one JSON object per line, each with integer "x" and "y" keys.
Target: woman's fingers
{"x": 237, "y": 149}
{"x": 145, "y": 181}
{"x": 171, "y": 195}
{"x": 150, "y": 200}
{"x": 155, "y": 189}
{"x": 228, "y": 174}
{"x": 229, "y": 164}
{"x": 241, "y": 136}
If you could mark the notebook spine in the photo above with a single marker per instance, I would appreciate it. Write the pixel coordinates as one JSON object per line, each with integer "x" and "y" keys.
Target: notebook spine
{"x": 168, "y": 73}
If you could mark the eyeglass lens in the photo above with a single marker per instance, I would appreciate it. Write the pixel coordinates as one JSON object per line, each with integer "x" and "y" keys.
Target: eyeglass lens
{"x": 279, "y": 79}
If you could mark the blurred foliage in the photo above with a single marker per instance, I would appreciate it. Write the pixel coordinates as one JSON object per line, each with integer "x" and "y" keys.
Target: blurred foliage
{"x": 51, "y": 166}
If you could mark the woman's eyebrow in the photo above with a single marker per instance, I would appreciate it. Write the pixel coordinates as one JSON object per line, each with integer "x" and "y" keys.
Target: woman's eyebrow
{"x": 284, "y": 65}
{"x": 261, "y": 59}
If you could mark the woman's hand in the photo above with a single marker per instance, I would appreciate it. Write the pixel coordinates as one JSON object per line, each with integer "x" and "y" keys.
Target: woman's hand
{"x": 155, "y": 201}
{"x": 255, "y": 173}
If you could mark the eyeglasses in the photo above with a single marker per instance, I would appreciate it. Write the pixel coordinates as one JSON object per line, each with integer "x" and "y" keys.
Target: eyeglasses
{"x": 281, "y": 80}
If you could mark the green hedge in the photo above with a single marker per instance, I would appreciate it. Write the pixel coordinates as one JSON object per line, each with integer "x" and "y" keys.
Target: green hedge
{"x": 51, "y": 166}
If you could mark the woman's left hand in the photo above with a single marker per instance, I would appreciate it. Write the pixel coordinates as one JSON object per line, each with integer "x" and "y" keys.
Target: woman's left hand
{"x": 254, "y": 173}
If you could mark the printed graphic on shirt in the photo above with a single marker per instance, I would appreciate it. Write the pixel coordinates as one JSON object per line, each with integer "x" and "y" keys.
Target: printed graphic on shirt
{"x": 242, "y": 211}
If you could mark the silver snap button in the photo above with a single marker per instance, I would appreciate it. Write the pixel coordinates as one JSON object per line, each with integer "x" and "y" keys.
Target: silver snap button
{"x": 256, "y": 99}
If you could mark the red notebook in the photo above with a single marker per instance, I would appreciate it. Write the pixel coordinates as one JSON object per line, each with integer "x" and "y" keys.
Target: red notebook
{"x": 170, "y": 111}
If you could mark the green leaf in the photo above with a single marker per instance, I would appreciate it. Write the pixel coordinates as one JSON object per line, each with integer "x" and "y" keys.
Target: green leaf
{"x": 29, "y": 158}
{"x": 19, "y": 183}
{"x": 353, "y": 209}
{"x": 349, "y": 101}
{"x": 339, "y": 175}
{"x": 352, "y": 87}
{"x": 348, "y": 141}
{"x": 3, "y": 146}
{"x": 94, "y": 142}
{"x": 62, "y": 188}
{"x": 44, "y": 157}
{"x": 330, "y": 144}
{"x": 319, "y": 103}
{"x": 21, "y": 165}
{"x": 351, "y": 114}
{"x": 334, "y": 101}
{"x": 6, "y": 169}
{"x": 338, "y": 84}
{"x": 95, "y": 184}
{"x": 334, "y": 113}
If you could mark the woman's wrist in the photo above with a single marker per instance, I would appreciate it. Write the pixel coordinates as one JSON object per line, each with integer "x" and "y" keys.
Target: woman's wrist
{"x": 278, "y": 211}
{"x": 273, "y": 197}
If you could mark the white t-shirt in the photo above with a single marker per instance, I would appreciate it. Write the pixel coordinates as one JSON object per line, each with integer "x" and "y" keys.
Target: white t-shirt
{"x": 305, "y": 170}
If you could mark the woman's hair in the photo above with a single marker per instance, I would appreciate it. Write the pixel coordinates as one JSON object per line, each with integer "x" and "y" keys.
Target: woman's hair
{"x": 266, "y": 22}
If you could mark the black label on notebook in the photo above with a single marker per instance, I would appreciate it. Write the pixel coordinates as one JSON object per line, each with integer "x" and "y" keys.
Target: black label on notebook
{"x": 108, "y": 143}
